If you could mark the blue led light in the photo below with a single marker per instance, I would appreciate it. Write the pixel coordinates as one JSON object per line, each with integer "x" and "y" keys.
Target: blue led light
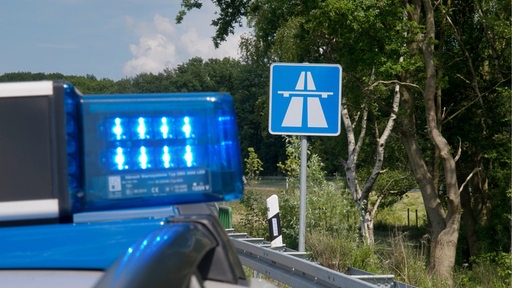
{"x": 188, "y": 156}
{"x": 187, "y": 129}
{"x": 120, "y": 159}
{"x": 118, "y": 129}
{"x": 141, "y": 128}
{"x": 143, "y": 158}
{"x": 166, "y": 157}
{"x": 159, "y": 149}
{"x": 139, "y": 150}
{"x": 164, "y": 127}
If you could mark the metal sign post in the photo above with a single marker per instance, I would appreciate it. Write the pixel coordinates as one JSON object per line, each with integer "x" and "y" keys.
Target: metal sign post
{"x": 303, "y": 188}
{"x": 305, "y": 100}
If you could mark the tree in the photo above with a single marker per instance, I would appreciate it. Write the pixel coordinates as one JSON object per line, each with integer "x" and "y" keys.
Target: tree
{"x": 368, "y": 38}
{"x": 361, "y": 194}
{"x": 328, "y": 31}
{"x": 88, "y": 84}
{"x": 436, "y": 40}
{"x": 253, "y": 166}
{"x": 293, "y": 33}
{"x": 477, "y": 34}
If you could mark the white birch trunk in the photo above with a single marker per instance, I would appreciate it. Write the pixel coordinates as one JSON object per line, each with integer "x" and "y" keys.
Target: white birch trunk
{"x": 359, "y": 195}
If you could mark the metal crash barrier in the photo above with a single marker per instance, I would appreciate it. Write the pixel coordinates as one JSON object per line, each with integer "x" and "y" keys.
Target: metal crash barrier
{"x": 293, "y": 268}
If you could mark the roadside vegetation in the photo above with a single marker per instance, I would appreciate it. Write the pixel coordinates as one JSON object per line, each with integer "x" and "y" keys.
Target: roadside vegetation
{"x": 333, "y": 237}
{"x": 426, "y": 93}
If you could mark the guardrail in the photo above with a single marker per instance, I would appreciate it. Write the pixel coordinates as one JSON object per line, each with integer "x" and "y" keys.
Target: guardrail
{"x": 292, "y": 268}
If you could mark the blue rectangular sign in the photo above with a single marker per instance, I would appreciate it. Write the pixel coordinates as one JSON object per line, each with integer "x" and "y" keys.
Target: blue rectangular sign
{"x": 305, "y": 99}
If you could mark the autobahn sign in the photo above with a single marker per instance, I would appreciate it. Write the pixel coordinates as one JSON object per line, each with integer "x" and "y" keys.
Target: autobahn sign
{"x": 305, "y": 99}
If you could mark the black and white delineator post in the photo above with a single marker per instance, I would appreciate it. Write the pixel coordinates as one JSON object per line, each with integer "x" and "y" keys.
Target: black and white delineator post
{"x": 274, "y": 223}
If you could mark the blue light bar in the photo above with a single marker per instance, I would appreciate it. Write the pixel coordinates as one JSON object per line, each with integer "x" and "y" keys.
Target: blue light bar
{"x": 157, "y": 149}
{"x": 63, "y": 152}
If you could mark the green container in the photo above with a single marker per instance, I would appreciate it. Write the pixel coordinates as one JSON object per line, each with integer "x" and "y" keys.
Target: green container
{"x": 225, "y": 217}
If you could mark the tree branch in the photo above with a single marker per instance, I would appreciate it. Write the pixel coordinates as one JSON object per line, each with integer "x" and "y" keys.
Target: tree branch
{"x": 474, "y": 82}
{"x": 458, "y": 151}
{"x": 468, "y": 178}
{"x": 377, "y": 203}
{"x": 362, "y": 133}
{"x": 381, "y": 143}
{"x": 396, "y": 82}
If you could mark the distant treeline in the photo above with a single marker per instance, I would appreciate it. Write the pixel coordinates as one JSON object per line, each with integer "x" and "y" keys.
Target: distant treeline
{"x": 247, "y": 84}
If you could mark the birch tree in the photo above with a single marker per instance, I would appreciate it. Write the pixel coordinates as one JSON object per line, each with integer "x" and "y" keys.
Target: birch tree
{"x": 361, "y": 194}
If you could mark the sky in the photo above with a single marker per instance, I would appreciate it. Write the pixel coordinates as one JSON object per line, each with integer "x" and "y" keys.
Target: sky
{"x": 111, "y": 39}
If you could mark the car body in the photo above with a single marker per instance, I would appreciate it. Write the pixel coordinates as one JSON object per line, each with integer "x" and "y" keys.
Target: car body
{"x": 112, "y": 190}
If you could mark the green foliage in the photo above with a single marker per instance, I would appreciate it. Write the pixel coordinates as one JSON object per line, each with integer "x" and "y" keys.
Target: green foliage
{"x": 86, "y": 84}
{"x": 187, "y": 6}
{"x": 329, "y": 210}
{"x": 253, "y": 216}
{"x": 253, "y": 166}
{"x": 28, "y": 76}
{"x": 289, "y": 215}
{"x": 332, "y": 240}
{"x": 487, "y": 270}
{"x": 394, "y": 184}
{"x": 230, "y": 14}
{"x": 367, "y": 38}
{"x": 498, "y": 163}
{"x": 395, "y": 215}
{"x": 291, "y": 167}
{"x": 328, "y": 206}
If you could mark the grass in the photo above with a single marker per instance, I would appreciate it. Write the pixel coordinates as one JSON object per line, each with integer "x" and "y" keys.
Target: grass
{"x": 399, "y": 248}
{"x": 403, "y": 212}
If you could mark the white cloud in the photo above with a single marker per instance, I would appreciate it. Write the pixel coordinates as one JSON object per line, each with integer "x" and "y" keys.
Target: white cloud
{"x": 162, "y": 43}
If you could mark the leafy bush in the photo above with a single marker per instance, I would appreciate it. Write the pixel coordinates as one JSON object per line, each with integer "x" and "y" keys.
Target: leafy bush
{"x": 253, "y": 166}
{"x": 253, "y": 215}
{"x": 328, "y": 209}
{"x": 487, "y": 270}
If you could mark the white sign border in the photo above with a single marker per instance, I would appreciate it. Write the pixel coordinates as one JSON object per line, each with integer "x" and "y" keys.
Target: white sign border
{"x": 337, "y": 133}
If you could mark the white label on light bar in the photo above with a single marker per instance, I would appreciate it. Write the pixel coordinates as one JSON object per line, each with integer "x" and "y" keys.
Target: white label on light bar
{"x": 28, "y": 88}
{"x": 29, "y": 209}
